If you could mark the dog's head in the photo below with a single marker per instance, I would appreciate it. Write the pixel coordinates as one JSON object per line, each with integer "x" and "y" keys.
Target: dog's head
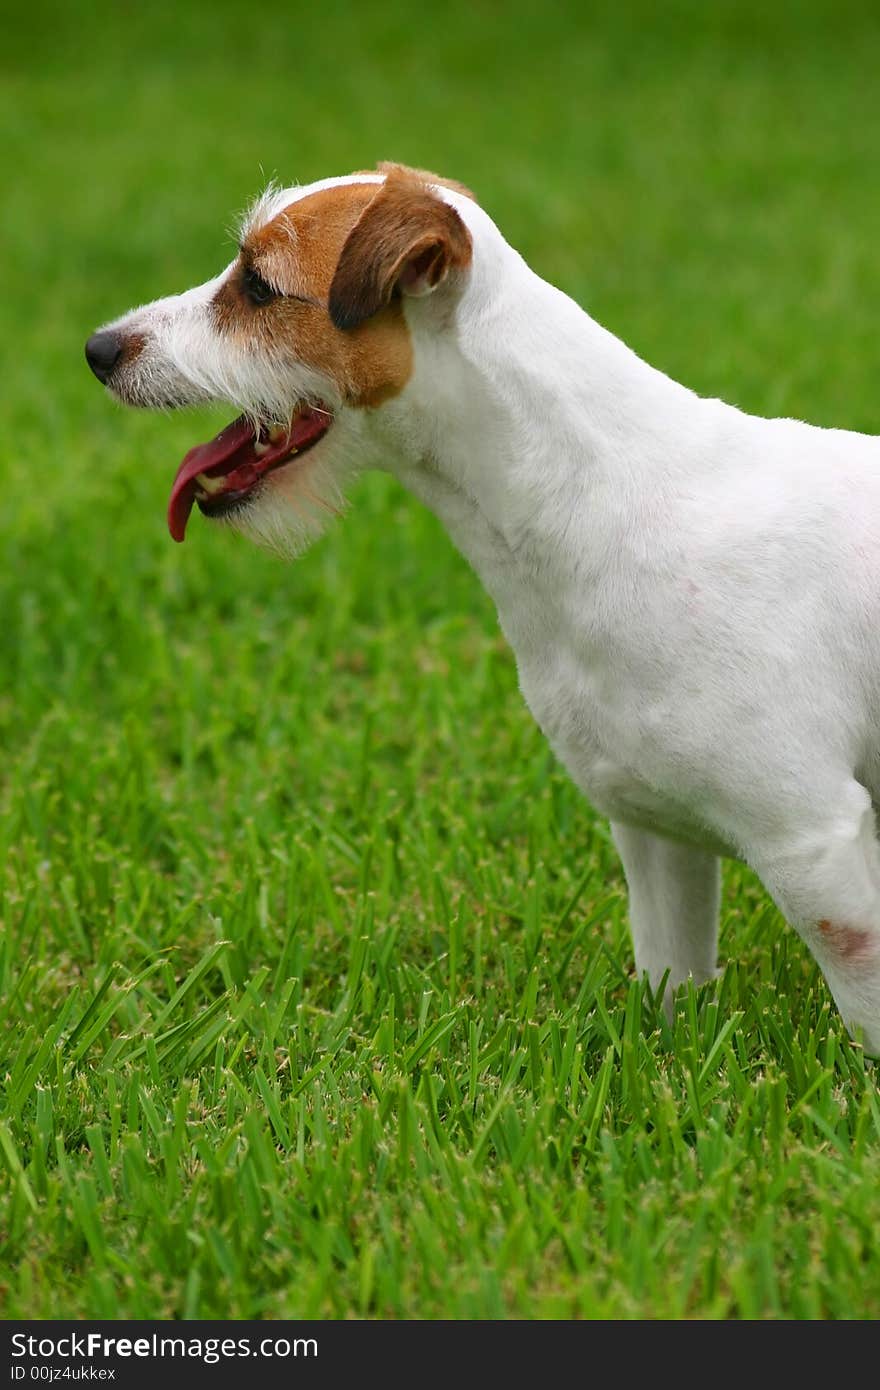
{"x": 309, "y": 333}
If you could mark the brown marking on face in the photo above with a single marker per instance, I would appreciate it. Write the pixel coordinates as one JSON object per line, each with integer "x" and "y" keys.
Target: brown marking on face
{"x": 850, "y": 945}
{"x": 302, "y": 243}
{"x": 296, "y": 253}
{"x": 132, "y": 347}
{"x": 406, "y": 239}
{"x": 300, "y": 253}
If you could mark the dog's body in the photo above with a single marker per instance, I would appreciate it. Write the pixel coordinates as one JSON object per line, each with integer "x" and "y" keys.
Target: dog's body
{"x": 692, "y": 594}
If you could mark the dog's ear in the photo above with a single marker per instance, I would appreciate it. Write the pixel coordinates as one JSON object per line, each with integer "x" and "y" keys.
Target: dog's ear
{"x": 406, "y": 241}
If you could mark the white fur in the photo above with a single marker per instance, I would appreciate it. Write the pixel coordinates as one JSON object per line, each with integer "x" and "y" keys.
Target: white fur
{"x": 692, "y": 593}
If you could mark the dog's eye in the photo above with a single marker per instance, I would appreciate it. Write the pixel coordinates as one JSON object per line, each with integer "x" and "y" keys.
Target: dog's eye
{"x": 255, "y": 288}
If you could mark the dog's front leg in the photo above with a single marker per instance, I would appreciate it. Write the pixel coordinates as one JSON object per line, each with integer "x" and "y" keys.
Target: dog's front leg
{"x": 674, "y": 897}
{"x": 825, "y": 877}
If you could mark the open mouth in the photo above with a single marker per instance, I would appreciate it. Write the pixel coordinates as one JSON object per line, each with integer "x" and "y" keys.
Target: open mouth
{"x": 224, "y": 473}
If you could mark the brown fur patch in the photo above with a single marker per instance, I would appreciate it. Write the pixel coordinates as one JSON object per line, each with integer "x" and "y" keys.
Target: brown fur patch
{"x": 132, "y": 348}
{"x": 426, "y": 176}
{"x": 851, "y": 945}
{"x": 333, "y": 256}
{"x": 297, "y": 252}
{"x": 300, "y": 248}
{"x": 404, "y": 225}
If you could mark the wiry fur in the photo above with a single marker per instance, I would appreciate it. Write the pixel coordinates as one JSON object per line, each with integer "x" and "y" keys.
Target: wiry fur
{"x": 297, "y": 511}
{"x": 262, "y": 209}
{"x": 692, "y": 594}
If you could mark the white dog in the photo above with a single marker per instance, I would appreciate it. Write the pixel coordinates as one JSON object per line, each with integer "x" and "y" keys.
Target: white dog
{"x": 692, "y": 594}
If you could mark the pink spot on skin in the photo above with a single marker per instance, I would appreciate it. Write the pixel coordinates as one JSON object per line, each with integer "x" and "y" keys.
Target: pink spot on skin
{"x": 851, "y": 945}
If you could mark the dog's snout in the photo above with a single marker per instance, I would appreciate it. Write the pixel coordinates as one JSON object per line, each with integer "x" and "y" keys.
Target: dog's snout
{"x": 103, "y": 351}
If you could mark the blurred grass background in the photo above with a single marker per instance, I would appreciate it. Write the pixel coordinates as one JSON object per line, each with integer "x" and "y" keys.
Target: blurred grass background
{"x": 415, "y": 1081}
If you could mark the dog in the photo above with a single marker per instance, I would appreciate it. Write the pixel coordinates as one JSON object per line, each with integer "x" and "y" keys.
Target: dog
{"x": 692, "y": 593}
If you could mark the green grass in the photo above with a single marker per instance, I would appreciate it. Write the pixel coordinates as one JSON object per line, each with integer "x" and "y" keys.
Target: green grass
{"x": 317, "y": 997}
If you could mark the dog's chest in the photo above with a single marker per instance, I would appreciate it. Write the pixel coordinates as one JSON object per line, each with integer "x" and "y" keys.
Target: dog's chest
{"x": 594, "y": 670}
{"x": 602, "y": 687}
{"x": 614, "y": 748}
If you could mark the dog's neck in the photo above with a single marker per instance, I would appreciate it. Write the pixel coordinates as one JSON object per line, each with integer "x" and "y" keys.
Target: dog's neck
{"x": 542, "y": 442}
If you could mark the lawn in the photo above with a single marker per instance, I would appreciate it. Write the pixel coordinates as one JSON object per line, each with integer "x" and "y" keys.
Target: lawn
{"x": 317, "y": 996}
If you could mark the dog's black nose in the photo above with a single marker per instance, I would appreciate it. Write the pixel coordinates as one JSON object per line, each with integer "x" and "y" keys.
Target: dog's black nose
{"x": 103, "y": 351}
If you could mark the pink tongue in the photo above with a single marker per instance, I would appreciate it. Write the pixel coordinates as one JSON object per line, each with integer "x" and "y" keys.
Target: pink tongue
{"x": 204, "y": 458}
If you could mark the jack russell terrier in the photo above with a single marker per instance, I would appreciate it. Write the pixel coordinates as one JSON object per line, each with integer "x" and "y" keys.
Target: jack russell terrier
{"x": 692, "y": 593}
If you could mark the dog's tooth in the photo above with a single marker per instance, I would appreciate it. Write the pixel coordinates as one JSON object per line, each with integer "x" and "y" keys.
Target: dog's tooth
{"x": 209, "y": 484}
{"x": 277, "y": 433}
{"x": 260, "y": 448}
